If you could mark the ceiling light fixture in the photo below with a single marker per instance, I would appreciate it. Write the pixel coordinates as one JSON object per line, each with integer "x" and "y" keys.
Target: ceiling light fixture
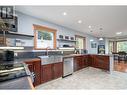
{"x": 101, "y": 39}
{"x": 64, "y": 13}
{"x": 91, "y": 40}
{"x": 79, "y": 21}
{"x": 118, "y": 33}
{"x": 89, "y": 26}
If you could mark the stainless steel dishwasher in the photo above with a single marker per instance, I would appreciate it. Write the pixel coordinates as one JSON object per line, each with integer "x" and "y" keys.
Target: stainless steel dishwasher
{"x": 68, "y": 66}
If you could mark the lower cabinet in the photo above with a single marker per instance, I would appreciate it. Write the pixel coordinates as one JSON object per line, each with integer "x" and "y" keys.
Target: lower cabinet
{"x": 100, "y": 61}
{"x": 90, "y": 60}
{"x": 57, "y": 70}
{"x": 51, "y": 71}
{"x": 80, "y": 62}
{"x": 35, "y": 68}
{"x": 46, "y": 74}
{"x": 85, "y": 61}
{"x": 103, "y": 62}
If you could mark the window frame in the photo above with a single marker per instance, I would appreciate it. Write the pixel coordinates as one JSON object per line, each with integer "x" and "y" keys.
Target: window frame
{"x": 38, "y": 27}
{"x": 117, "y": 44}
{"x": 84, "y": 40}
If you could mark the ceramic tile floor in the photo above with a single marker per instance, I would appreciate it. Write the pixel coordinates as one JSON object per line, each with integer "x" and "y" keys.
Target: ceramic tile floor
{"x": 88, "y": 78}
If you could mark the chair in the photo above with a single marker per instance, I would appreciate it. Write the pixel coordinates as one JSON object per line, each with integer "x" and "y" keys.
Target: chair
{"x": 122, "y": 56}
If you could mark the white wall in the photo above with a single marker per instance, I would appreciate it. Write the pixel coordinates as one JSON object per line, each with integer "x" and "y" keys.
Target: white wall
{"x": 106, "y": 46}
{"x": 91, "y": 50}
{"x": 25, "y": 26}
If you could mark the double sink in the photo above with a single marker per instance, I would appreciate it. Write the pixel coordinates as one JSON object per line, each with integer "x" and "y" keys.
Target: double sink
{"x": 51, "y": 59}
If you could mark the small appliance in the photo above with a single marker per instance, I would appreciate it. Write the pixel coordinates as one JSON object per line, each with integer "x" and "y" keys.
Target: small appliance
{"x": 8, "y": 55}
{"x": 101, "y": 49}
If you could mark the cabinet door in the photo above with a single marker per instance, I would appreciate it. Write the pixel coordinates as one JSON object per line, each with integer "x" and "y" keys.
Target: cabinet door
{"x": 30, "y": 66}
{"x": 103, "y": 62}
{"x": 85, "y": 61}
{"x": 37, "y": 71}
{"x": 90, "y": 60}
{"x": 57, "y": 70}
{"x": 95, "y": 63}
{"x": 47, "y": 73}
{"x": 78, "y": 63}
{"x": 34, "y": 67}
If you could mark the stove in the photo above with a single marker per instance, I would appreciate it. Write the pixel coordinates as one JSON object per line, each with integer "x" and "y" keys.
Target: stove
{"x": 13, "y": 71}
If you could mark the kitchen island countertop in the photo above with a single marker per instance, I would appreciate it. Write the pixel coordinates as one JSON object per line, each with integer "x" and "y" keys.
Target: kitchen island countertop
{"x": 23, "y": 83}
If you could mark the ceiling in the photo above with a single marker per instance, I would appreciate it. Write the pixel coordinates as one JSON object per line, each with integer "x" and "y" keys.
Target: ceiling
{"x": 105, "y": 21}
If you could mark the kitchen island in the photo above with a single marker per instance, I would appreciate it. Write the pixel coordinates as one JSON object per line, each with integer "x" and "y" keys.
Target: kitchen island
{"x": 20, "y": 83}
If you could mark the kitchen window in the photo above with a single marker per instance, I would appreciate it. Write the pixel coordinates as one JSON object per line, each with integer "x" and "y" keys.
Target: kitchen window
{"x": 44, "y": 37}
{"x": 111, "y": 47}
{"x": 122, "y": 46}
{"x": 80, "y": 42}
{"x": 116, "y": 46}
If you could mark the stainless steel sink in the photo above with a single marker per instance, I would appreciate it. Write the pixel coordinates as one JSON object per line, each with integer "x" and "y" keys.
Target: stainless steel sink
{"x": 50, "y": 59}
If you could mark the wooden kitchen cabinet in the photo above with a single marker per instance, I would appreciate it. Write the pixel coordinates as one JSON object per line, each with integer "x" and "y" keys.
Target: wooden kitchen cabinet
{"x": 99, "y": 61}
{"x": 51, "y": 71}
{"x": 95, "y": 61}
{"x": 103, "y": 62}
{"x": 85, "y": 60}
{"x": 80, "y": 62}
{"x": 76, "y": 63}
{"x": 46, "y": 73}
{"x": 90, "y": 60}
{"x": 57, "y": 70}
{"x": 35, "y": 68}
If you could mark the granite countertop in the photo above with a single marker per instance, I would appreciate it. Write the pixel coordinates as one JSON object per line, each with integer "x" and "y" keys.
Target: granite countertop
{"x": 20, "y": 83}
{"x": 21, "y": 60}
{"x": 74, "y": 55}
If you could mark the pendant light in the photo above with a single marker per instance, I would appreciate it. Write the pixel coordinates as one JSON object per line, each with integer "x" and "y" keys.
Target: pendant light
{"x": 100, "y": 39}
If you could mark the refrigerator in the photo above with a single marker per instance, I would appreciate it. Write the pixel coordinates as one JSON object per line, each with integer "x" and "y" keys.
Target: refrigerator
{"x": 101, "y": 49}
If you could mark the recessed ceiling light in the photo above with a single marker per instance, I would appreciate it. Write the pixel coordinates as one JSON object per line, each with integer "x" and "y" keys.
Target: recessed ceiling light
{"x": 91, "y": 40}
{"x": 64, "y": 13}
{"x": 89, "y": 26}
{"x": 118, "y": 33}
{"x": 79, "y": 21}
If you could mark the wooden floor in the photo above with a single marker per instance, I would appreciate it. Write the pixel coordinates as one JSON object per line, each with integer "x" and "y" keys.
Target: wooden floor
{"x": 120, "y": 66}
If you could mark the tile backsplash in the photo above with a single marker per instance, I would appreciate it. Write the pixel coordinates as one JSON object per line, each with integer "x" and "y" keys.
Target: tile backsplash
{"x": 35, "y": 54}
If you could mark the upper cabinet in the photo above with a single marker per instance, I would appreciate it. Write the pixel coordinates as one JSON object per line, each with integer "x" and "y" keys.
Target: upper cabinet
{"x": 44, "y": 37}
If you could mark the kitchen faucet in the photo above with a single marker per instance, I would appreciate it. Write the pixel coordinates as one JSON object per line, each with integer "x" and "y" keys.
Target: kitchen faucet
{"x": 47, "y": 50}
